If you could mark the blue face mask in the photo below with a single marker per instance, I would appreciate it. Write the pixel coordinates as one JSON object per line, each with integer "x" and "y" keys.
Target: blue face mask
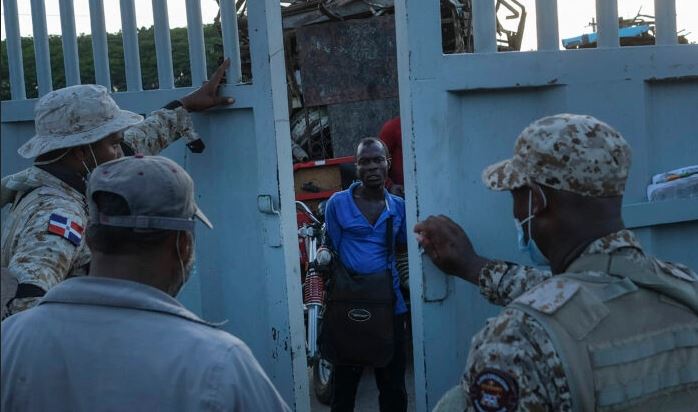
{"x": 530, "y": 247}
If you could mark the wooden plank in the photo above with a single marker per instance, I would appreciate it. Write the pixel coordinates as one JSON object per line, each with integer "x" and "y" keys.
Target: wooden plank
{"x": 348, "y": 61}
{"x": 351, "y": 122}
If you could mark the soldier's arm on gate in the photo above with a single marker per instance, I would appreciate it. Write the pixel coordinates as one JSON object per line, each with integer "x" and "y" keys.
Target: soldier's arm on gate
{"x": 513, "y": 365}
{"x": 501, "y": 282}
{"x": 168, "y": 124}
{"x": 159, "y": 130}
{"x": 47, "y": 247}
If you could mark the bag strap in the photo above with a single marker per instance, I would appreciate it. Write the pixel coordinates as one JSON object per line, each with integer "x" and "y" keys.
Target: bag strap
{"x": 389, "y": 241}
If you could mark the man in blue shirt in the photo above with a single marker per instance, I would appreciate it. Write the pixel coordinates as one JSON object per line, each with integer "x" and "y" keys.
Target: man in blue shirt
{"x": 356, "y": 221}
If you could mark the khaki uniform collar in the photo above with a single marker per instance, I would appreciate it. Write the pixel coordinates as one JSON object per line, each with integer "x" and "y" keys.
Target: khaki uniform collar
{"x": 75, "y": 181}
{"x": 613, "y": 242}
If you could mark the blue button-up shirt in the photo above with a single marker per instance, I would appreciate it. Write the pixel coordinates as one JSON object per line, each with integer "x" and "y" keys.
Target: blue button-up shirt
{"x": 361, "y": 246}
{"x": 98, "y": 344}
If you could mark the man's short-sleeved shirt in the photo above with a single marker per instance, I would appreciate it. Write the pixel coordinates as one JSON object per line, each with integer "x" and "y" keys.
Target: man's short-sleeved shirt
{"x": 361, "y": 246}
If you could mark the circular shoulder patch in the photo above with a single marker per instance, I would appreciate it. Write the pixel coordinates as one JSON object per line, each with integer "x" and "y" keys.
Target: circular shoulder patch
{"x": 494, "y": 390}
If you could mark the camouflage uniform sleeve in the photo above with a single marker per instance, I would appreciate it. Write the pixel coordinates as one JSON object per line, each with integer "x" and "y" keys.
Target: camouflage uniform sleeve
{"x": 41, "y": 258}
{"x": 159, "y": 130}
{"x": 513, "y": 364}
{"x": 502, "y": 282}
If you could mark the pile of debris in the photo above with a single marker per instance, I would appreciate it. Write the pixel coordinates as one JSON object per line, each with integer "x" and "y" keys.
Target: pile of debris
{"x": 341, "y": 65}
{"x": 638, "y": 31}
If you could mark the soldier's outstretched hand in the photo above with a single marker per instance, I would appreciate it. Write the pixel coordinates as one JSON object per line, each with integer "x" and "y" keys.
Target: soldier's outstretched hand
{"x": 445, "y": 242}
{"x": 206, "y": 96}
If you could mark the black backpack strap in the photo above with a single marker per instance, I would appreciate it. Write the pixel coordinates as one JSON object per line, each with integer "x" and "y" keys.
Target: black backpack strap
{"x": 389, "y": 241}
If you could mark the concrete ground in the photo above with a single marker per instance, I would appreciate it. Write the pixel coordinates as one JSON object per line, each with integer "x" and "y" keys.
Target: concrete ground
{"x": 367, "y": 395}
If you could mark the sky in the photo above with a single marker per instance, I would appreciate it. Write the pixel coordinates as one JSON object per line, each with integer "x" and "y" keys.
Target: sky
{"x": 574, "y": 16}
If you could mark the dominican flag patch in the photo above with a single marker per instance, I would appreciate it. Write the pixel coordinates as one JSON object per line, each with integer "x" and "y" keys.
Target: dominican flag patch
{"x": 64, "y": 227}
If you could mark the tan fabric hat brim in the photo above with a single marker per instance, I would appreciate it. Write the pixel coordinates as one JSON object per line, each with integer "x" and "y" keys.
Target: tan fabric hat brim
{"x": 503, "y": 176}
{"x": 40, "y": 144}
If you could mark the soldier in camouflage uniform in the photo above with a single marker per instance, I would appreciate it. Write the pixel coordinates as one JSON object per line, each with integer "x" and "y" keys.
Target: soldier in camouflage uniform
{"x": 77, "y": 128}
{"x": 567, "y": 178}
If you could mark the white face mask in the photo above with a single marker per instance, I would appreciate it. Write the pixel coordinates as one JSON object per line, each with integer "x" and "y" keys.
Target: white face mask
{"x": 530, "y": 247}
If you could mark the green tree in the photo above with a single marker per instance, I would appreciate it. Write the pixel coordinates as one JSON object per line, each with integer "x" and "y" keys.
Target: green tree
{"x": 146, "y": 41}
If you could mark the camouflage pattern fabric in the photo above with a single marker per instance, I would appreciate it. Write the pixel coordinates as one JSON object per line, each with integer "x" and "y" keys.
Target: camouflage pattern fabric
{"x": 41, "y": 258}
{"x": 29, "y": 250}
{"x": 574, "y": 153}
{"x": 159, "y": 130}
{"x": 501, "y": 282}
{"x": 75, "y": 116}
{"x": 515, "y": 348}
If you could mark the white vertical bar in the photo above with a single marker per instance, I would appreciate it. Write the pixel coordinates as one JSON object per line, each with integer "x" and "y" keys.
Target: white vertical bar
{"x": 484, "y": 26}
{"x": 14, "y": 51}
{"x": 665, "y": 22}
{"x": 197, "y": 53}
{"x": 231, "y": 42}
{"x": 71, "y": 60}
{"x": 163, "y": 45}
{"x": 607, "y": 17}
{"x": 41, "y": 50}
{"x": 100, "y": 50}
{"x": 546, "y": 25}
{"x": 132, "y": 59}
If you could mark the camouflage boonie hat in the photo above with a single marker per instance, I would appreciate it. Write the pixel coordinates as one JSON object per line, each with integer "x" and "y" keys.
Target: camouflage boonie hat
{"x": 570, "y": 152}
{"x": 75, "y": 116}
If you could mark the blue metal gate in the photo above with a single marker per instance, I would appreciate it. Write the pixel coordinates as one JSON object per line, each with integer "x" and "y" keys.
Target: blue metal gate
{"x": 247, "y": 268}
{"x": 462, "y": 112}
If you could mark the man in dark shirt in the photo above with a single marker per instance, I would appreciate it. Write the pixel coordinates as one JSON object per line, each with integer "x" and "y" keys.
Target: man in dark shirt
{"x": 356, "y": 221}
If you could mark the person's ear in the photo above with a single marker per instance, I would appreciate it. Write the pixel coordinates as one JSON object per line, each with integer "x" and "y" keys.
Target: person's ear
{"x": 539, "y": 200}
{"x": 185, "y": 244}
{"x": 79, "y": 153}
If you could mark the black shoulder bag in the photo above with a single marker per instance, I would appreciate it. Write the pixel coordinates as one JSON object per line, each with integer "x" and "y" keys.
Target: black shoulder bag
{"x": 357, "y": 325}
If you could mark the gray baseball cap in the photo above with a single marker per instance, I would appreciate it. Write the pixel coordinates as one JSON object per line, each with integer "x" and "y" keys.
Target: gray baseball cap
{"x": 159, "y": 193}
{"x": 75, "y": 116}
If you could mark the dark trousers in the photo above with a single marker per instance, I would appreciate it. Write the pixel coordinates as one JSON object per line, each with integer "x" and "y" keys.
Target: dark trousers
{"x": 390, "y": 379}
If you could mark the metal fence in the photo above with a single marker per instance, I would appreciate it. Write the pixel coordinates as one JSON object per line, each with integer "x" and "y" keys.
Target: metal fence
{"x": 197, "y": 53}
